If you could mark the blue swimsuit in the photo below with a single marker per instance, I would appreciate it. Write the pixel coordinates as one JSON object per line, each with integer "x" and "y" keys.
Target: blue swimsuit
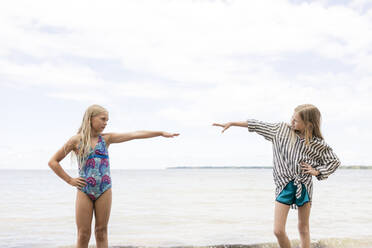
{"x": 96, "y": 171}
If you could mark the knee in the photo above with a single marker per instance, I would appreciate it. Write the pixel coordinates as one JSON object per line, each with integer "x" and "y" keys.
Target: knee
{"x": 279, "y": 233}
{"x": 83, "y": 235}
{"x": 101, "y": 233}
{"x": 303, "y": 228}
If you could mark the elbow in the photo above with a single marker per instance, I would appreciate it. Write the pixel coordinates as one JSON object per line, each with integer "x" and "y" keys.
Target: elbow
{"x": 51, "y": 164}
{"x": 336, "y": 165}
{"x": 339, "y": 163}
{"x": 321, "y": 177}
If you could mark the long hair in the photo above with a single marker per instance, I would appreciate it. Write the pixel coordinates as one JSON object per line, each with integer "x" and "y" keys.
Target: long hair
{"x": 311, "y": 117}
{"x": 85, "y": 132}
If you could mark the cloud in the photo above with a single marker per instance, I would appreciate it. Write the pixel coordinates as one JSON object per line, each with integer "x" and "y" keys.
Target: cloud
{"x": 178, "y": 41}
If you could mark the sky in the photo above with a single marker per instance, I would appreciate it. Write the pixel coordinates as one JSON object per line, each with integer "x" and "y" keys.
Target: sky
{"x": 179, "y": 66}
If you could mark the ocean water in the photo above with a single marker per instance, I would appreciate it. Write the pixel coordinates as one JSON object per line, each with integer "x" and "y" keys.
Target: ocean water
{"x": 184, "y": 207}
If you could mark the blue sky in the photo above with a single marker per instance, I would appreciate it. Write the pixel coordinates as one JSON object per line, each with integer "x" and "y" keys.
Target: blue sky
{"x": 179, "y": 66}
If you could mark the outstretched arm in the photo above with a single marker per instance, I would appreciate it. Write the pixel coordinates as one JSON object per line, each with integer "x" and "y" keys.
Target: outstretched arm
{"x": 231, "y": 124}
{"x": 267, "y": 130}
{"x": 122, "y": 137}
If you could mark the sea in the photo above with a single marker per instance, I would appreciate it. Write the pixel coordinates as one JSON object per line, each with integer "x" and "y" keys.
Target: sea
{"x": 184, "y": 208}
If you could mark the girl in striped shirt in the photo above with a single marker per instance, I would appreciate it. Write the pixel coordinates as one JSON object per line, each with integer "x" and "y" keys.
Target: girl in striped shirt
{"x": 299, "y": 152}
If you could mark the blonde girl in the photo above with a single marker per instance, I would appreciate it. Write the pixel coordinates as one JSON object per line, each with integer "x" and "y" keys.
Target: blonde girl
{"x": 90, "y": 146}
{"x": 299, "y": 153}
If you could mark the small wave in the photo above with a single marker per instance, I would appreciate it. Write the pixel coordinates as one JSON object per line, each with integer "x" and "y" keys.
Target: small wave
{"x": 323, "y": 243}
{"x": 345, "y": 243}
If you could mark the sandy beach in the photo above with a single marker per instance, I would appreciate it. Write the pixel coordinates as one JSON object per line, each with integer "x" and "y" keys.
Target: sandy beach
{"x": 324, "y": 243}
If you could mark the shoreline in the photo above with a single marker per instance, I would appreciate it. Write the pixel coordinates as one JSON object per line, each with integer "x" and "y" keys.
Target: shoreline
{"x": 362, "y": 242}
{"x": 345, "y": 167}
{"x": 322, "y": 243}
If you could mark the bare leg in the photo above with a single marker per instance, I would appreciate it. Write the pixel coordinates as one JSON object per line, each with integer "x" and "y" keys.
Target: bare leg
{"x": 102, "y": 209}
{"x": 280, "y": 219}
{"x": 303, "y": 224}
{"x": 84, "y": 214}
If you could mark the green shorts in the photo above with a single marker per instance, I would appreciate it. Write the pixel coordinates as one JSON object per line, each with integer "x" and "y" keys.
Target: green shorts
{"x": 288, "y": 195}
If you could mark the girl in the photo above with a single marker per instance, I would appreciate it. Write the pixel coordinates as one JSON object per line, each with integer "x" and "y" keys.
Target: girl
{"x": 299, "y": 153}
{"x": 90, "y": 146}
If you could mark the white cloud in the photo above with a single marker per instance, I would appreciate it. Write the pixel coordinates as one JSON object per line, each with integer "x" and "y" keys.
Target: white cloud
{"x": 179, "y": 41}
{"x": 58, "y": 75}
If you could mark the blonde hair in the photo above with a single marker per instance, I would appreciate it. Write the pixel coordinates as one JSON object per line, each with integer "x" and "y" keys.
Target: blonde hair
{"x": 311, "y": 117}
{"x": 85, "y": 131}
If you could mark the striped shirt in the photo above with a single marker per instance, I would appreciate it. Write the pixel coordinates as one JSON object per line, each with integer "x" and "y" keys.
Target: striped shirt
{"x": 288, "y": 156}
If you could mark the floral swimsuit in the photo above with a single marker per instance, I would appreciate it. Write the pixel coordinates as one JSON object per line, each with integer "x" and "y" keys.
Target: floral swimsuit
{"x": 96, "y": 171}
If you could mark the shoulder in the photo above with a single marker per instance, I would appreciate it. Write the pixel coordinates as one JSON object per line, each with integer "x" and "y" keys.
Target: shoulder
{"x": 106, "y": 137}
{"x": 252, "y": 123}
{"x": 319, "y": 142}
{"x": 284, "y": 131}
{"x": 74, "y": 140}
{"x": 284, "y": 127}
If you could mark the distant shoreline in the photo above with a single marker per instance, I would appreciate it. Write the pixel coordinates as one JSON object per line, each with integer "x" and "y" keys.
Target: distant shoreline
{"x": 347, "y": 167}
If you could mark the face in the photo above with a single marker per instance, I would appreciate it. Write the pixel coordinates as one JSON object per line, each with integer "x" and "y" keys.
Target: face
{"x": 99, "y": 122}
{"x": 297, "y": 123}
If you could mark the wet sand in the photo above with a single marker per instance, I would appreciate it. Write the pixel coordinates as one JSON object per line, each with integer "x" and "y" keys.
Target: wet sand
{"x": 326, "y": 243}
